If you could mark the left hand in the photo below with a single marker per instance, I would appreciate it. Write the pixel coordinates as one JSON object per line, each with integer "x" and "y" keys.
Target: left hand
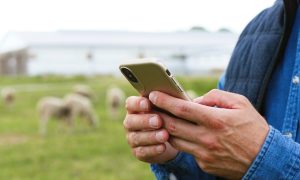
{"x": 222, "y": 130}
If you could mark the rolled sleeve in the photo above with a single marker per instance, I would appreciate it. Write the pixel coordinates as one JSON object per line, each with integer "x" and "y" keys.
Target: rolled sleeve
{"x": 279, "y": 158}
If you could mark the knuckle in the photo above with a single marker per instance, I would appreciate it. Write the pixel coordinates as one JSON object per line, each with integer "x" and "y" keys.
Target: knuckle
{"x": 182, "y": 109}
{"x": 128, "y": 139}
{"x": 171, "y": 126}
{"x": 128, "y": 101}
{"x": 126, "y": 123}
{"x": 140, "y": 152}
{"x": 213, "y": 92}
{"x": 242, "y": 100}
{"x": 151, "y": 137}
{"x": 133, "y": 139}
{"x": 211, "y": 144}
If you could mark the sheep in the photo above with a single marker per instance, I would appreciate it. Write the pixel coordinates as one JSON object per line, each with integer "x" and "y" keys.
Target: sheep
{"x": 8, "y": 95}
{"x": 115, "y": 98}
{"x": 66, "y": 109}
{"x": 83, "y": 90}
{"x": 51, "y": 107}
{"x": 80, "y": 106}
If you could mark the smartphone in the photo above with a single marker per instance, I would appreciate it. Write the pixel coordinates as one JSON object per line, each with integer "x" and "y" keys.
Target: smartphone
{"x": 150, "y": 75}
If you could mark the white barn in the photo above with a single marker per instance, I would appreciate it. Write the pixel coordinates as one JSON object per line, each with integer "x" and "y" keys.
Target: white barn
{"x": 100, "y": 52}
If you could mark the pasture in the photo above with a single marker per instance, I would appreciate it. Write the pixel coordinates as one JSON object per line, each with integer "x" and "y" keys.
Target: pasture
{"x": 85, "y": 152}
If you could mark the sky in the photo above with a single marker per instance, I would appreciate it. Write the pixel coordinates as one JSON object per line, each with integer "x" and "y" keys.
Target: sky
{"x": 127, "y": 15}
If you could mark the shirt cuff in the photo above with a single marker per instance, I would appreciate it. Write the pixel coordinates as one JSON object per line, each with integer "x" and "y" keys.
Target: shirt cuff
{"x": 182, "y": 166}
{"x": 279, "y": 158}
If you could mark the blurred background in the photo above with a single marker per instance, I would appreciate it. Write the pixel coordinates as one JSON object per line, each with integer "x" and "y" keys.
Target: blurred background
{"x": 62, "y": 94}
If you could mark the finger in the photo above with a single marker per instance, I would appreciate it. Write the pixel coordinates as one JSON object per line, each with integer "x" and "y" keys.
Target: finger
{"x": 199, "y": 151}
{"x": 197, "y": 113}
{"x": 198, "y": 100}
{"x": 137, "y": 104}
{"x": 143, "y": 138}
{"x": 181, "y": 128}
{"x": 223, "y": 99}
{"x": 183, "y": 145}
{"x": 138, "y": 122}
{"x": 184, "y": 130}
{"x": 146, "y": 153}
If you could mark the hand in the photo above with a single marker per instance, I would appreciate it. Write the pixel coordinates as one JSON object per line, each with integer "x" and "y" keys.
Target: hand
{"x": 221, "y": 130}
{"x": 144, "y": 132}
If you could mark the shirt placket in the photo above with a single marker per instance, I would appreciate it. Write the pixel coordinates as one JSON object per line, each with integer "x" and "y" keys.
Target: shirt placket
{"x": 291, "y": 119}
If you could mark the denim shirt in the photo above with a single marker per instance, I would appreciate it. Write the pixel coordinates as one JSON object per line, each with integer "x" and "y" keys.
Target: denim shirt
{"x": 279, "y": 157}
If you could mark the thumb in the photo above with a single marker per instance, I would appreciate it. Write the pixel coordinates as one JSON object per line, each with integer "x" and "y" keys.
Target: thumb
{"x": 198, "y": 100}
{"x": 223, "y": 99}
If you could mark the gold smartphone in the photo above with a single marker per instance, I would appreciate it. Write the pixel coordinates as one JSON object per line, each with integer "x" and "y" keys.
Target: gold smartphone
{"x": 149, "y": 75}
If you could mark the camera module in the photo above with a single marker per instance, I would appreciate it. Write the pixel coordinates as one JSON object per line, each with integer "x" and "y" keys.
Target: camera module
{"x": 129, "y": 74}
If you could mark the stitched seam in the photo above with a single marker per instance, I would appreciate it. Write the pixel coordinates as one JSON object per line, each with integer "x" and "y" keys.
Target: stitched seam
{"x": 295, "y": 168}
{"x": 262, "y": 156}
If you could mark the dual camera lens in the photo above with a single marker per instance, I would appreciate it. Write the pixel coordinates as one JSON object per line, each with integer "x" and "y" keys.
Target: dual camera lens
{"x": 129, "y": 75}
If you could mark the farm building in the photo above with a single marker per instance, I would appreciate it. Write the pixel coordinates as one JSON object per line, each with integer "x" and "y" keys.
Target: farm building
{"x": 100, "y": 52}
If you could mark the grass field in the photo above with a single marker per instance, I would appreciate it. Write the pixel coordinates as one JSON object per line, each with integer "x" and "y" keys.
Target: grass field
{"x": 85, "y": 153}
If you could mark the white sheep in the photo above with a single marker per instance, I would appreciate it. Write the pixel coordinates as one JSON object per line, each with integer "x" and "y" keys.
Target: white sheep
{"x": 51, "y": 107}
{"x": 82, "y": 107}
{"x": 8, "y": 95}
{"x": 83, "y": 90}
{"x": 115, "y": 98}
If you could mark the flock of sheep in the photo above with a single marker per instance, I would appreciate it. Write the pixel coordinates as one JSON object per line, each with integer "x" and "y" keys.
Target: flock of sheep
{"x": 77, "y": 103}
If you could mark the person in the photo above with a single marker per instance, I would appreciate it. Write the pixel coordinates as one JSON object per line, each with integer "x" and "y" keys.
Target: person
{"x": 246, "y": 129}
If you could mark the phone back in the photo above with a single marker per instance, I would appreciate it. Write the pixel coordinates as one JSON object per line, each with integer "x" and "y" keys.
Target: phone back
{"x": 152, "y": 76}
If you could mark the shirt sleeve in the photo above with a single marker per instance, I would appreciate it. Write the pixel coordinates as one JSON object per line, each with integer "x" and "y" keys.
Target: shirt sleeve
{"x": 182, "y": 167}
{"x": 279, "y": 158}
{"x": 221, "y": 82}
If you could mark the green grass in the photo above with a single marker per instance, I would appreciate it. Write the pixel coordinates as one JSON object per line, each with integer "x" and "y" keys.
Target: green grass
{"x": 84, "y": 153}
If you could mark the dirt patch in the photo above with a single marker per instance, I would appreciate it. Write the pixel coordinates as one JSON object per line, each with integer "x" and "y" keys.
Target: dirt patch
{"x": 12, "y": 139}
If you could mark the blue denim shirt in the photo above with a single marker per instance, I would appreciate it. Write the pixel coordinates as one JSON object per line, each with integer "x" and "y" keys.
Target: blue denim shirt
{"x": 279, "y": 157}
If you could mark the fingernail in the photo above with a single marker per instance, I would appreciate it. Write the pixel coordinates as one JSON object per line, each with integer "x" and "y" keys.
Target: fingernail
{"x": 126, "y": 104}
{"x": 159, "y": 149}
{"x": 144, "y": 105}
{"x": 153, "y": 97}
{"x": 160, "y": 136}
{"x": 153, "y": 121}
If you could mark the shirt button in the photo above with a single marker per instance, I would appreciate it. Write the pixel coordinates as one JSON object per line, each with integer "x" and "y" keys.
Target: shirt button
{"x": 288, "y": 134}
{"x": 295, "y": 80}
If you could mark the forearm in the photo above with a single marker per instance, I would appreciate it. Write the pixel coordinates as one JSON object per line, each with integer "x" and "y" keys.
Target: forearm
{"x": 279, "y": 158}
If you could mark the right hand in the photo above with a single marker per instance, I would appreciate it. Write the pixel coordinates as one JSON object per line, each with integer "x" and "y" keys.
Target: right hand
{"x": 145, "y": 133}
